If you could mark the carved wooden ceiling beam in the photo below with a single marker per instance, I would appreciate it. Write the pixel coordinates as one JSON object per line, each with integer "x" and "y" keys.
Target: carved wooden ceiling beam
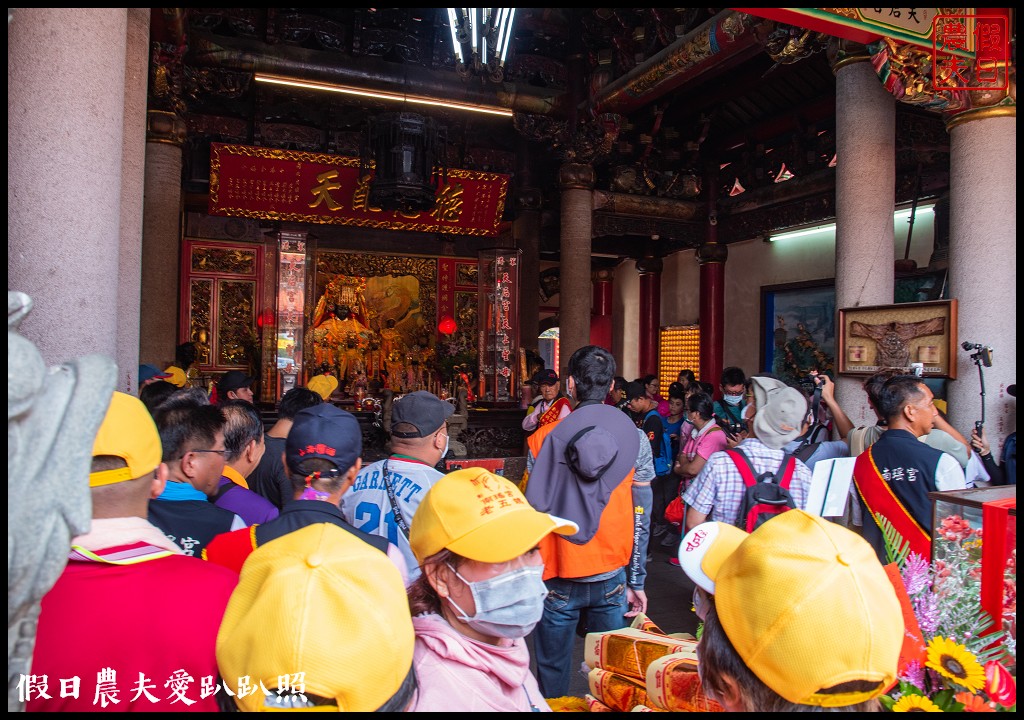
{"x": 712, "y": 48}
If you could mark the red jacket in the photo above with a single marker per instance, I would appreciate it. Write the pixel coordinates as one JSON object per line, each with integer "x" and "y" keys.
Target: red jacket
{"x": 155, "y": 617}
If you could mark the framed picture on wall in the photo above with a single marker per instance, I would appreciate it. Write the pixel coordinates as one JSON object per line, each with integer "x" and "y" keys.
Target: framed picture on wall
{"x": 902, "y": 335}
{"x": 798, "y": 331}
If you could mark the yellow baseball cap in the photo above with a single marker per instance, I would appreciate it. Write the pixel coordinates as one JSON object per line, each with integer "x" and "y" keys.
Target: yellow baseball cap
{"x": 323, "y": 385}
{"x": 806, "y": 604}
{"x": 127, "y": 432}
{"x": 321, "y": 602}
{"x": 480, "y": 516}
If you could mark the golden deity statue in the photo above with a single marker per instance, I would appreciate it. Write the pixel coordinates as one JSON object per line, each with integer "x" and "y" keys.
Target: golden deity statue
{"x": 339, "y": 338}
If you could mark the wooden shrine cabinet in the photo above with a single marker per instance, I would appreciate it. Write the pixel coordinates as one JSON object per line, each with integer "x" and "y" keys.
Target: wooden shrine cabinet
{"x": 222, "y": 288}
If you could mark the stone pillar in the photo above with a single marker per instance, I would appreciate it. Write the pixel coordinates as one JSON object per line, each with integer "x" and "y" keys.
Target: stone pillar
{"x": 161, "y": 238}
{"x": 711, "y": 257}
{"x": 601, "y": 312}
{"x": 66, "y": 112}
{"x": 865, "y": 192}
{"x": 133, "y": 173}
{"x": 983, "y": 265}
{"x": 577, "y": 184}
{"x": 649, "y": 269}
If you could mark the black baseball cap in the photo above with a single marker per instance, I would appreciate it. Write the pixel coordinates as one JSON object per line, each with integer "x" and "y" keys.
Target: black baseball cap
{"x": 422, "y": 410}
{"x": 544, "y": 377}
{"x": 326, "y": 432}
{"x": 233, "y": 380}
{"x": 635, "y": 390}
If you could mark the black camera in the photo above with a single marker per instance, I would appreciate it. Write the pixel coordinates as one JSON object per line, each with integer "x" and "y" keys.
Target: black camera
{"x": 810, "y": 383}
{"x": 982, "y": 353}
{"x": 731, "y": 426}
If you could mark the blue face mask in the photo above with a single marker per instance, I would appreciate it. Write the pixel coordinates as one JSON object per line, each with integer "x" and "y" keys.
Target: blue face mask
{"x": 447, "y": 442}
{"x": 508, "y": 605}
{"x": 733, "y": 400}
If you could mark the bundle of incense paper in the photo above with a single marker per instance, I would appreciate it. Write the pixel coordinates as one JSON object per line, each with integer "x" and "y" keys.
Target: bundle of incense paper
{"x": 673, "y": 684}
{"x": 619, "y": 693}
{"x": 595, "y": 705}
{"x": 629, "y": 651}
{"x": 642, "y": 622}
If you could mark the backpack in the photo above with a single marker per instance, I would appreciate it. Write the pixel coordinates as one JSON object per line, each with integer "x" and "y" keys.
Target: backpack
{"x": 816, "y": 435}
{"x": 663, "y": 461}
{"x": 766, "y": 495}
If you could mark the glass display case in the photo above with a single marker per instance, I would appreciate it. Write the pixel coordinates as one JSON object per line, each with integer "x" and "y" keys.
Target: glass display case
{"x": 498, "y": 328}
{"x": 291, "y": 301}
{"x": 978, "y": 526}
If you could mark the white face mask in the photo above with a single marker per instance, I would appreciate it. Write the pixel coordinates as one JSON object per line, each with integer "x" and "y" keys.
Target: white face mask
{"x": 508, "y": 605}
{"x": 733, "y": 399}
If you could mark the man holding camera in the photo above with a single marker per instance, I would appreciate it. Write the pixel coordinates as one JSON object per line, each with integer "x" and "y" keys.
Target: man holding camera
{"x": 813, "y": 444}
{"x": 729, "y": 411}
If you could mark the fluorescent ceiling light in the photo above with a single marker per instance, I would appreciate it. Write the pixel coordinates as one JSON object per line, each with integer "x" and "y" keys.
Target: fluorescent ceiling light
{"x": 792, "y": 234}
{"x": 480, "y": 39}
{"x": 381, "y": 94}
{"x": 902, "y": 214}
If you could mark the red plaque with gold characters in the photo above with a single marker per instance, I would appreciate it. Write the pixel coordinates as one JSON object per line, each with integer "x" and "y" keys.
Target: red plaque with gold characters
{"x": 295, "y": 186}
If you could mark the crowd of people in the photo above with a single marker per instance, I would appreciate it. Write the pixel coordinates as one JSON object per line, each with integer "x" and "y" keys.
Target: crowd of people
{"x": 308, "y": 581}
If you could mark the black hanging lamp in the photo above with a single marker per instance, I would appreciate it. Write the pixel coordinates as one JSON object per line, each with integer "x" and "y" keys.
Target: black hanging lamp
{"x": 408, "y": 150}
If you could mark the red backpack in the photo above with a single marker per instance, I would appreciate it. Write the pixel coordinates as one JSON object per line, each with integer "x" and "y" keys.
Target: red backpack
{"x": 766, "y": 495}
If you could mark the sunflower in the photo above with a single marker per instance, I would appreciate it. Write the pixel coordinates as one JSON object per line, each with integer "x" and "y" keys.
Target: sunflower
{"x": 955, "y": 663}
{"x": 915, "y": 703}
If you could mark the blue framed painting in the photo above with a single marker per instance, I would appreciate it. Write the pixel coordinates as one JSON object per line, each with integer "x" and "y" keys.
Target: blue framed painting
{"x": 798, "y": 329}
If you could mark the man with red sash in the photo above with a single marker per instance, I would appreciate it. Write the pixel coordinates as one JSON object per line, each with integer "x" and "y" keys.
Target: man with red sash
{"x": 895, "y": 474}
{"x": 549, "y": 406}
{"x": 589, "y": 468}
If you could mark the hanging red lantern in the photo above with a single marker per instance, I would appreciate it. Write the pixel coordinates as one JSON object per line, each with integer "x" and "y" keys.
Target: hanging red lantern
{"x": 447, "y": 325}
{"x": 265, "y": 319}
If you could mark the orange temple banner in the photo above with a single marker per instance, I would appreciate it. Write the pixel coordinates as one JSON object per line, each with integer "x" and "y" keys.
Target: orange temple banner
{"x": 295, "y": 186}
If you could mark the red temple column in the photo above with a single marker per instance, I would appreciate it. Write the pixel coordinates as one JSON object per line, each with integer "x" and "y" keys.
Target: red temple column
{"x": 650, "y": 313}
{"x": 601, "y": 309}
{"x": 711, "y": 257}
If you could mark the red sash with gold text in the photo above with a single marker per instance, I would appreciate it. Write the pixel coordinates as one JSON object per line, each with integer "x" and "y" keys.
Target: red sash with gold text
{"x": 553, "y": 412}
{"x": 879, "y": 498}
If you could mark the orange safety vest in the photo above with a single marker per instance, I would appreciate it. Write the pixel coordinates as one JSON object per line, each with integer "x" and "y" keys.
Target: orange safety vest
{"x": 609, "y": 549}
{"x": 611, "y": 546}
{"x": 533, "y": 443}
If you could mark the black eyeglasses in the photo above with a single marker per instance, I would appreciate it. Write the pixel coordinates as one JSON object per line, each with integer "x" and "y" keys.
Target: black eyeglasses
{"x": 223, "y": 453}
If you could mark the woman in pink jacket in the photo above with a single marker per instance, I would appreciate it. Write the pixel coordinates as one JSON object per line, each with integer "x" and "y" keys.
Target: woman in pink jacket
{"x": 479, "y": 595}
